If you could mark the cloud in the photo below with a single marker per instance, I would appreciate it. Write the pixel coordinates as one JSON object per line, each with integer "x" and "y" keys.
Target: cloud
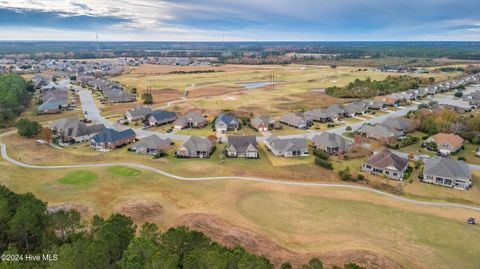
{"x": 250, "y": 19}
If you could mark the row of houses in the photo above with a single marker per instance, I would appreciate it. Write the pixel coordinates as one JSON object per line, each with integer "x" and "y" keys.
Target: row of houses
{"x": 437, "y": 170}
{"x": 112, "y": 91}
{"x": 54, "y": 96}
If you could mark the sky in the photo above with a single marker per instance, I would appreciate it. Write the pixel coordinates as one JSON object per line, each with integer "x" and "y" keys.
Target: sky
{"x": 240, "y": 20}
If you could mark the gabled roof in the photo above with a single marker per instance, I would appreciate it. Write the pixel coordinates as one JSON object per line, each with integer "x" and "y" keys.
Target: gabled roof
{"x": 295, "y": 119}
{"x": 332, "y": 140}
{"x": 227, "y": 119}
{"x": 196, "y": 143}
{"x": 140, "y": 111}
{"x": 287, "y": 144}
{"x": 447, "y": 168}
{"x": 265, "y": 119}
{"x": 161, "y": 115}
{"x": 379, "y": 130}
{"x": 73, "y": 127}
{"x": 242, "y": 143}
{"x": 400, "y": 124}
{"x": 152, "y": 142}
{"x": 108, "y": 135}
{"x": 387, "y": 159}
{"x": 51, "y": 103}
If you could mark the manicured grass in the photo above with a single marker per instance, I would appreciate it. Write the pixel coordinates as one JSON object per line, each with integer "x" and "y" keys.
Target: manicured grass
{"x": 123, "y": 171}
{"x": 468, "y": 153}
{"x": 78, "y": 178}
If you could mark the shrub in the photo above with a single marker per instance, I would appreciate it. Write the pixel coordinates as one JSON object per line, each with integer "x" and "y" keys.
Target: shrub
{"x": 160, "y": 154}
{"x": 461, "y": 158}
{"x": 345, "y": 174}
{"x": 320, "y": 153}
{"x": 28, "y": 128}
{"x": 408, "y": 172}
{"x": 360, "y": 177}
{"x": 349, "y": 128}
{"x": 323, "y": 163}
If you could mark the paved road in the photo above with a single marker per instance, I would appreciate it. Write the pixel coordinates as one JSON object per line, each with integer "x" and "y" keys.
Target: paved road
{"x": 7, "y": 158}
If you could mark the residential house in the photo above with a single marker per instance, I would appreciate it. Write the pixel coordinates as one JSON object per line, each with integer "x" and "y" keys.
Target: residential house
{"x": 458, "y": 105}
{"x": 447, "y": 172}
{"x": 297, "y": 120}
{"x": 116, "y": 95}
{"x": 109, "y": 139}
{"x": 262, "y": 123}
{"x": 151, "y": 145}
{"x": 387, "y": 100}
{"x": 332, "y": 143}
{"x": 320, "y": 115}
{"x": 160, "y": 117}
{"x": 195, "y": 147}
{"x": 51, "y": 106}
{"x": 353, "y": 109}
{"x": 72, "y": 130}
{"x": 401, "y": 124}
{"x": 226, "y": 122}
{"x": 446, "y": 143}
{"x": 287, "y": 147}
{"x": 138, "y": 113}
{"x": 380, "y": 132}
{"x": 244, "y": 146}
{"x": 192, "y": 119}
{"x": 386, "y": 163}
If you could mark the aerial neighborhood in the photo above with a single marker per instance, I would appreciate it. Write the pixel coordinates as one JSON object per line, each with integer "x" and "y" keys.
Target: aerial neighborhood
{"x": 339, "y": 139}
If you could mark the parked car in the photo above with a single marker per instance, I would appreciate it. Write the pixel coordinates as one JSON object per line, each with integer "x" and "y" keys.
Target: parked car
{"x": 472, "y": 221}
{"x": 169, "y": 130}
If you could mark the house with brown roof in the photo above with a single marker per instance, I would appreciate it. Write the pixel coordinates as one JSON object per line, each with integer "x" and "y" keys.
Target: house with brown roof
{"x": 387, "y": 163}
{"x": 446, "y": 143}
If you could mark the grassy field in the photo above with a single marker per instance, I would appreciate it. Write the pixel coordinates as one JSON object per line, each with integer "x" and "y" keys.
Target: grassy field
{"x": 306, "y": 221}
{"x": 123, "y": 171}
{"x": 78, "y": 178}
{"x": 221, "y": 90}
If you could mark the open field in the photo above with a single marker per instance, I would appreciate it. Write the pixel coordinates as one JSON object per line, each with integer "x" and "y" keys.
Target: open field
{"x": 221, "y": 90}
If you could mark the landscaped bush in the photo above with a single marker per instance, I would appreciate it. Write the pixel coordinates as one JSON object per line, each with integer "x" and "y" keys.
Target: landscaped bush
{"x": 320, "y": 153}
{"x": 160, "y": 154}
{"x": 345, "y": 174}
{"x": 28, "y": 128}
{"x": 361, "y": 177}
{"x": 323, "y": 163}
{"x": 408, "y": 172}
{"x": 461, "y": 159}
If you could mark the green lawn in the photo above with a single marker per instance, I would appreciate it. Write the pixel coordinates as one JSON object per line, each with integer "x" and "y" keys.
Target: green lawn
{"x": 78, "y": 178}
{"x": 123, "y": 171}
{"x": 468, "y": 153}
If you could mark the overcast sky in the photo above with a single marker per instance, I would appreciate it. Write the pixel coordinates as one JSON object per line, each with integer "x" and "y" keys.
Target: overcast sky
{"x": 240, "y": 20}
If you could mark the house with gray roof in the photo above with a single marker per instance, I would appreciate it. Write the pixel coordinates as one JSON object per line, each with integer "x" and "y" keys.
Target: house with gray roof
{"x": 353, "y": 109}
{"x": 262, "y": 123}
{"x": 287, "y": 147}
{"x": 297, "y": 120}
{"x": 109, "y": 139}
{"x": 380, "y": 132}
{"x": 72, "y": 130}
{"x": 195, "y": 147}
{"x": 160, "y": 117}
{"x": 401, "y": 124}
{"x": 116, "y": 95}
{"x": 447, "y": 172}
{"x": 138, "y": 113}
{"x": 331, "y": 142}
{"x": 192, "y": 119}
{"x": 321, "y": 115}
{"x": 386, "y": 163}
{"x": 151, "y": 145}
{"x": 243, "y": 146}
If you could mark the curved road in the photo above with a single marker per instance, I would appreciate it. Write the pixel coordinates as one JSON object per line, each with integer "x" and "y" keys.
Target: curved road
{"x": 5, "y": 156}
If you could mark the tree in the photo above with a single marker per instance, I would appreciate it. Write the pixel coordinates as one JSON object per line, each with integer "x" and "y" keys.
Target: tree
{"x": 14, "y": 98}
{"x": 147, "y": 98}
{"x": 134, "y": 91}
{"x": 314, "y": 263}
{"x": 46, "y": 134}
{"x": 349, "y": 128}
{"x": 458, "y": 94}
{"x": 286, "y": 265}
{"x": 28, "y": 128}
{"x": 149, "y": 231}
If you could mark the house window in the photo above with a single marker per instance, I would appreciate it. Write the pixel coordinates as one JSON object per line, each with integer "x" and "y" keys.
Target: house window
{"x": 395, "y": 174}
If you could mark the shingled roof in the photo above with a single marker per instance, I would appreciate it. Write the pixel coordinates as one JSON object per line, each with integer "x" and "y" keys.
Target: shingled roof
{"x": 387, "y": 159}
{"x": 446, "y": 168}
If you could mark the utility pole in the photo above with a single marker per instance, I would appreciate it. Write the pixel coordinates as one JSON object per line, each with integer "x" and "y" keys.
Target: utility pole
{"x": 98, "y": 44}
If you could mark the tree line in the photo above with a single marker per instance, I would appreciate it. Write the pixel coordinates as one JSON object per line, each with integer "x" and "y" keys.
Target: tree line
{"x": 369, "y": 88}
{"x": 15, "y": 97}
{"x": 27, "y": 227}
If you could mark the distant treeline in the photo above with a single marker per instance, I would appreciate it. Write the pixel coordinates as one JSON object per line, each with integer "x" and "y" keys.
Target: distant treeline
{"x": 195, "y": 71}
{"x": 15, "y": 97}
{"x": 28, "y": 228}
{"x": 237, "y": 50}
{"x": 369, "y": 88}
